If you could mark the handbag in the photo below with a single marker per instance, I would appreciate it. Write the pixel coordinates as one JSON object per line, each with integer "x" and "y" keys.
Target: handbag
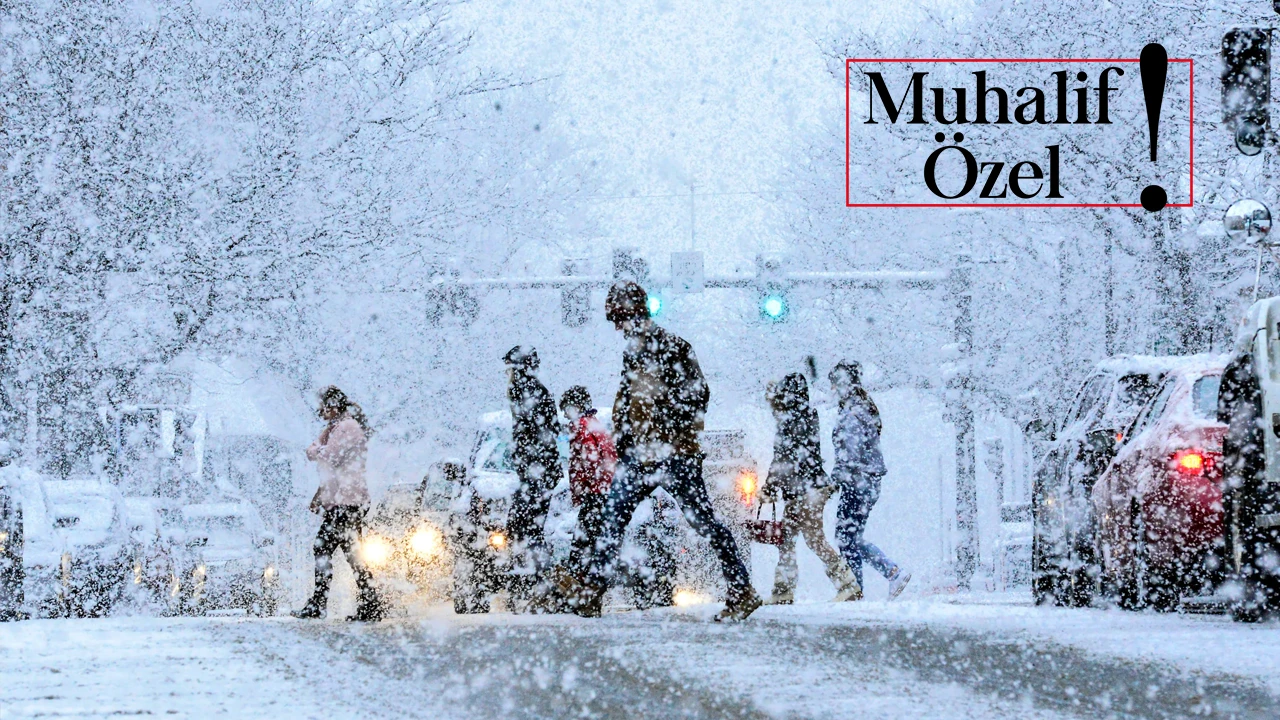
{"x": 767, "y": 532}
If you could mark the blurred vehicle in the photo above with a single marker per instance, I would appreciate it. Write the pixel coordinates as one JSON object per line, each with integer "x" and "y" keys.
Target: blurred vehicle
{"x": 235, "y": 564}
{"x": 154, "y": 554}
{"x": 77, "y": 550}
{"x": 661, "y": 554}
{"x": 404, "y": 543}
{"x": 12, "y": 572}
{"x": 1159, "y": 504}
{"x": 1063, "y": 563}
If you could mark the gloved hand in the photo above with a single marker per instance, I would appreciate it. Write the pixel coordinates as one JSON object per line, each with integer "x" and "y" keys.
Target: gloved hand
{"x": 768, "y": 492}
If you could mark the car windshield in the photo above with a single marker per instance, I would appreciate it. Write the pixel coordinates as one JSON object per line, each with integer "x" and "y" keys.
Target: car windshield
{"x": 499, "y": 459}
{"x": 84, "y": 513}
{"x": 1204, "y": 396}
{"x": 221, "y": 530}
{"x": 1133, "y": 391}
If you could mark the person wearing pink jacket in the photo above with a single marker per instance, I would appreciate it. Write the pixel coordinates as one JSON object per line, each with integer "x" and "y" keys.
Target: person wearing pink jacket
{"x": 342, "y": 499}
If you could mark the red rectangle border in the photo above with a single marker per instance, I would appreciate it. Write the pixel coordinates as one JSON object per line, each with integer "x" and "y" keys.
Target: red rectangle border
{"x": 848, "y": 62}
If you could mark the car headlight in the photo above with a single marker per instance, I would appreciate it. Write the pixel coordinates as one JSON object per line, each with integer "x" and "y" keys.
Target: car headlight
{"x": 269, "y": 574}
{"x": 685, "y": 598}
{"x": 375, "y": 551}
{"x": 498, "y": 540}
{"x": 427, "y": 542}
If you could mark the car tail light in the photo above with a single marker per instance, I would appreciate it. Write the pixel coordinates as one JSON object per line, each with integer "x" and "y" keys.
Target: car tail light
{"x": 1193, "y": 463}
{"x": 748, "y": 486}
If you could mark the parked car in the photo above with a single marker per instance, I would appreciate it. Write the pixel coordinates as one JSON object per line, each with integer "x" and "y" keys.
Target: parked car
{"x": 12, "y": 543}
{"x": 155, "y": 554}
{"x": 235, "y": 560}
{"x": 1159, "y": 503}
{"x": 661, "y": 555}
{"x": 80, "y": 567}
{"x": 1063, "y": 563}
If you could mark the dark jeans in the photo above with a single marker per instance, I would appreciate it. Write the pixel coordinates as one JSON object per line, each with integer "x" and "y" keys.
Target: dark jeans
{"x": 681, "y": 477}
{"x": 529, "y": 507}
{"x": 587, "y": 534}
{"x": 855, "y": 506}
{"x": 340, "y": 530}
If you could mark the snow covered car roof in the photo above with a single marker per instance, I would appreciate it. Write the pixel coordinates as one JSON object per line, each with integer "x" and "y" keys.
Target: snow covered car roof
{"x": 206, "y": 510}
{"x": 1152, "y": 364}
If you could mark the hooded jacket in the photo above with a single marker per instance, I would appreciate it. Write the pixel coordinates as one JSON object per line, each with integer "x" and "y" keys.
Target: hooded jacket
{"x": 797, "y": 454}
{"x": 533, "y": 426}
{"x": 662, "y": 399}
{"x": 340, "y": 454}
{"x": 856, "y": 439}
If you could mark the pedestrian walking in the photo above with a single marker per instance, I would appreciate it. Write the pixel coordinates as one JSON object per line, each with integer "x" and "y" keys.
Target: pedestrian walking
{"x": 657, "y": 415}
{"x": 858, "y": 469}
{"x": 537, "y": 463}
{"x": 592, "y": 459}
{"x": 342, "y": 500}
{"x": 796, "y": 475}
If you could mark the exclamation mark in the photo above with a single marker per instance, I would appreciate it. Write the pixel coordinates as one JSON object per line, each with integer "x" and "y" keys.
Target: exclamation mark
{"x": 1154, "y": 65}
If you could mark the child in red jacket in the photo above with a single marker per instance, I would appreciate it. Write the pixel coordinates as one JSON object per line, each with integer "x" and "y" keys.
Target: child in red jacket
{"x": 591, "y": 461}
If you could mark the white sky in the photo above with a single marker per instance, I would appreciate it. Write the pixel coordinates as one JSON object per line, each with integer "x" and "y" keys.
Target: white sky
{"x": 661, "y": 91}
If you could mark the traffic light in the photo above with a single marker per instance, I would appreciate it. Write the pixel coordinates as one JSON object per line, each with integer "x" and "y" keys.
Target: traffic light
{"x": 575, "y": 300}
{"x": 1246, "y": 86}
{"x": 772, "y": 286}
{"x": 773, "y": 305}
{"x": 655, "y": 305}
{"x": 628, "y": 265}
{"x": 446, "y": 295}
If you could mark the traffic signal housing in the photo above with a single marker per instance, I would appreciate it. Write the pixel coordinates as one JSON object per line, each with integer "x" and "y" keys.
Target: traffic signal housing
{"x": 1246, "y": 86}
{"x": 772, "y": 288}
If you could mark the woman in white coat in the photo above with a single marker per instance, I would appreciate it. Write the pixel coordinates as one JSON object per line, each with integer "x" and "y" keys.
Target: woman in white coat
{"x": 343, "y": 498}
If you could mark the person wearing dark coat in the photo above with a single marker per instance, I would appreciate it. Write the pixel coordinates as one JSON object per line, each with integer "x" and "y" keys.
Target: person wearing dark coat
{"x": 796, "y": 475}
{"x": 536, "y": 461}
{"x": 1243, "y": 476}
{"x": 857, "y": 471}
{"x": 657, "y": 415}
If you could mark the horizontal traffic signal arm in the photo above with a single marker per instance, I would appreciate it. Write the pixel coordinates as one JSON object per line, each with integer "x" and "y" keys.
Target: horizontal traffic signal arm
{"x": 864, "y": 278}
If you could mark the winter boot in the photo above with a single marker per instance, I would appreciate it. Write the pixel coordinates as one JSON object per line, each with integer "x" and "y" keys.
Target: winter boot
{"x": 898, "y": 582}
{"x": 739, "y": 606}
{"x": 847, "y": 587}
{"x": 782, "y": 595}
{"x": 310, "y": 611}
{"x": 369, "y": 607}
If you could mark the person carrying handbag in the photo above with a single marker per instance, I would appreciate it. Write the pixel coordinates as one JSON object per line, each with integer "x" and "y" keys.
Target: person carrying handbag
{"x": 796, "y": 476}
{"x": 342, "y": 499}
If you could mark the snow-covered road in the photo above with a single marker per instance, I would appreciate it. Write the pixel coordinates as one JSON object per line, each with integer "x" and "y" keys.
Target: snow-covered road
{"x": 926, "y": 658}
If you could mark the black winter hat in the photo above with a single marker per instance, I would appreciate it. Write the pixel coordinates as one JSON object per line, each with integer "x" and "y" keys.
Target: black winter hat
{"x": 522, "y": 357}
{"x": 850, "y": 368}
{"x": 576, "y": 396}
{"x": 626, "y": 300}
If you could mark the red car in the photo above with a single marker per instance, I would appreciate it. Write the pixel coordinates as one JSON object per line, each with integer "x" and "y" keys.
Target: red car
{"x": 1159, "y": 503}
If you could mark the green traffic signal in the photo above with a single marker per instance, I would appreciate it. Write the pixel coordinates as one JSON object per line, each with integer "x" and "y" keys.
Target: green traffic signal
{"x": 774, "y": 307}
{"x": 655, "y": 305}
